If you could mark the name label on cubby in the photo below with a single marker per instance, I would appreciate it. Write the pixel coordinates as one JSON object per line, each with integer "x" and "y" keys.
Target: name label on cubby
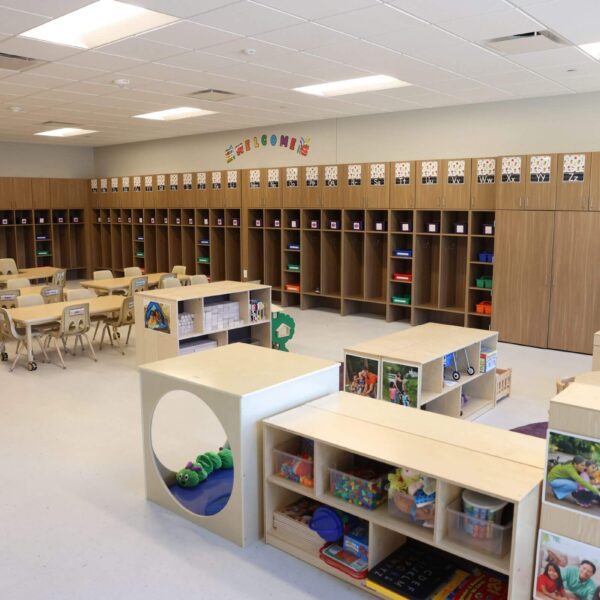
{"x": 312, "y": 176}
{"x": 4, "y": 221}
{"x": 23, "y": 221}
{"x": 231, "y": 180}
{"x": 539, "y": 169}
{"x": 160, "y": 183}
{"x": 273, "y": 178}
{"x": 511, "y": 169}
{"x": 377, "y": 174}
{"x": 354, "y": 175}
{"x": 137, "y": 184}
{"x": 148, "y": 183}
{"x": 402, "y": 173}
{"x": 291, "y": 177}
{"x": 331, "y": 176}
{"x": 173, "y": 182}
{"x": 201, "y": 181}
{"x": 456, "y": 172}
{"x": 187, "y": 182}
{"x": 216, "y": 180}
{"x": 429, "y": 172}
{"x": 114, "y": 185}
{"x": 125, "y": 184}
{"x": 254, "y": 179}
{"x": 486, "y": 170}
{"x": 103, "y": 186}
{"x": 94, "y": 185}
{"x": 573, "y": 167}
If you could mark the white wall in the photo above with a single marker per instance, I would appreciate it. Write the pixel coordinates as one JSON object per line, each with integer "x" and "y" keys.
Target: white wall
{"x": 45, "y": 160}
{"x": 555, "y": 124}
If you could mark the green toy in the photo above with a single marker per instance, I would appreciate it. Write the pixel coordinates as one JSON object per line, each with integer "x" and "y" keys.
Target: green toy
{"x": 283, "y": 328}
{"x": 195, "y": 473}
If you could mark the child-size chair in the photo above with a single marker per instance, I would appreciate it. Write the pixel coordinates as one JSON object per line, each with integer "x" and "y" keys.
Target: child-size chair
{"x": 138, "y": 284}
{"x": 126, "y": 317}
{"x": 164, "y": 277}
{"x": 8, "y": 266}
{"x": 60, "y": 278}
{"x": 132, "y": 272}
{"x": 179, "y": 269}
{"x": 17, "y": 284}
{"x": 8, "y": 298}
{"x": 52, "y": 293}
{"x": 196, "y": 279}
{"x": 9, "y": 331}
{"x": 171, "y": 282}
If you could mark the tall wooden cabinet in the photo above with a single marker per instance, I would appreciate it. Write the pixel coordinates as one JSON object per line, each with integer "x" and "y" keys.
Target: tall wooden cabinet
{"x": 402, "y": 184}
{"x": 573, "y": 181}
{"x": 522, "y": 276}
{"x": 483, "y": 183}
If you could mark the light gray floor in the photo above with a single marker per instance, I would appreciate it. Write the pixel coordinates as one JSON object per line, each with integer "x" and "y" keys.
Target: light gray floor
{"x": 73, "y": 519}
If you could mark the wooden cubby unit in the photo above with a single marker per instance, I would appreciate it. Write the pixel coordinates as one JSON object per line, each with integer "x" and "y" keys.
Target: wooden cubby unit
{"x": 460, "y": 456}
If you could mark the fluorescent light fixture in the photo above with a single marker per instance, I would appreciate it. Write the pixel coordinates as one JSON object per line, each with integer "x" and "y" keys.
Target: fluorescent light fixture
{"x": 592, "y": 49}
{"x": 173, "y": 114}
{"x": 98, "y": 23}
{"x": 371, "y": 83}
{"x": 66, "y": 132}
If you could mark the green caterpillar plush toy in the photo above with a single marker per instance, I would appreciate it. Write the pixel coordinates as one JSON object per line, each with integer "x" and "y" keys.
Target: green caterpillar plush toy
{"x": 196, "y": 472}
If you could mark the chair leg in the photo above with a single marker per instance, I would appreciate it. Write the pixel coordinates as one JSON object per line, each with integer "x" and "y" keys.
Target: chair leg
{"x": 62, "y": 362}
{"x": 39, "y": 339}
{"x": 102, "y": 336}
{"x": 96, "y": 330}
{"x": 19, "y": 352}
{"x": 119, "y": 343}
{"x": 92, "y": 353}
{"x": 128, "y": 334}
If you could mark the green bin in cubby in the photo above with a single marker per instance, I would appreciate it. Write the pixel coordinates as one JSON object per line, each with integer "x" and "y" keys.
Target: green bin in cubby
{"x": 485, "y": 281}
{"x": 401, "y": 300}
{"x": 293, "y": 267}
{"x": 204, "y": 260}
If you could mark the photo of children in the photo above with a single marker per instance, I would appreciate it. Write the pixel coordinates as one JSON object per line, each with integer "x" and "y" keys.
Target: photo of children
{"x": 572, "y": 475}
{"x": 361, "y": 375}
{"x": 566, "y": 569}
{"x": 400, "y": 383}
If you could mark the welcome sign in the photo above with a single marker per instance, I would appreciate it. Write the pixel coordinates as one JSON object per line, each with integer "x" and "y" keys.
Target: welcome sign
{"x": 300, "y": 146}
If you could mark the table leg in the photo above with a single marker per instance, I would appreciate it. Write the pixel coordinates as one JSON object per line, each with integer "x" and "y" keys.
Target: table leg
{"x": 29, "y": 343}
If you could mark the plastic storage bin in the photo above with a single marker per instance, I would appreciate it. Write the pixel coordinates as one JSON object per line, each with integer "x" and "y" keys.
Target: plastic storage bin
{"x": 293, "y": 267}
{"x": 484, "y": 307}
{"x": 288, "y": 464}
{"x": 486, "y": 257}
{"x": 361, "y": 487}
{"x": 403, "y": 506}
{"x": 403, "y": 253}
{"x": 485, "y": 281}
{"x": 401, "y": 300}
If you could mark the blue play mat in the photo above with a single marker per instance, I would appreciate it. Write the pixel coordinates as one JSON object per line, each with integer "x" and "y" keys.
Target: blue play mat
{"x": 208, "y": 498}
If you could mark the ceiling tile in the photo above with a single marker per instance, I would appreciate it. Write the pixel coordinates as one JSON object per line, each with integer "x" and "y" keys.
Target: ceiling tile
{"x": 15, "y": 21}
{"x": 568, "y": 56}
{"x": 303, "y": 36}
{"x": 437, "y": 11}
{"x": 317, "y": 9}
{"x": 35, "y": 49}
{"x": 583, "y": 84}
{"x": 17, "y": 89}
{"x": 108, "y": 78}
{"x": 31, "y": 78}
{"x": 417, "y": 37}
{"x": 181, "y": 8}
{"x": 189, "y": 35}
{"x": 98, "y": 60}
{"x": 49, "y": 9}
{"x": 545, "y": 88}
{"x": 236, "y": 48}
{"x": 60, "y": 95}
{"x": 263, "y": 75}
{"x": 385, "y": 103}
{"x": 198, "y": 61}
{"x": 85, "y": 87}
{"x": 63, "y": 71}
{"x": 141, "y": 49}
{"x": 246, "y": 18}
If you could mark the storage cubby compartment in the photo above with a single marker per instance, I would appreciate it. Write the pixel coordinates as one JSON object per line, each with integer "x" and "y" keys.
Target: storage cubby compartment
{"x": 150, "y": 249}
{"x": 478, "y": 395}
{"x": 96, "y": 216}
{"x": 162, "y": 216}
{"x": 126, "y": 244}
{"x": 377, "y": 221}
{"x": 365, "y": 307}
{"x": 25, "y": 256}
{"x": 354, "y": 220}
{"x": 203, "y": 217}
{"x": 188, "y": 249}
{"x": 293, "y": 461}
{"x": 417, "y": 510}
{"x": 149, "y": 216}
{"x": 272, "y": 273}
{"x": 106, "y": 244}
{"x": 331, "y": 256}
{"x": 273, "y": 218}
{"x": 217, "y": 254}
{"x": 480, "y": 302}
{"x": 483, "y": 223}
{"x": 332, "y": 220}
{"x": 174, "y": 216}
{"x": 453, "y": 273}
{"x": 76, "y": 216}
{"x": 427, "y": 264}
{"x": 401, "y": 246}
{"x": 402, "y": 221}
{"x": 353, "y": 265}
{"x": 375, "y": 272}
{"x": 396, "y": 312}
{"x": 60, "y": 246}
{"x": 256, "y": 256}
{"x": 162, "y": 243}
{"x": 482, "y": 250}
{"x": 233, "y": 218}
{"x": 311, "y": 219}
{"x": 256, "y": 218}
{"x": 175, "y": 249}
{"x": 233, "y": 268}
{"x": 455, "y": 222}
{"x": 23, "y": 217}
{"x": 311, "y": 262}
{"x": 125, "y": 216}
{"x": 428, "y": 221}
{"x": 291, "y": 242}
{"x": 478, "y": 321}
{"x": 431, "y": 315}
{"x": 400, "y": 293}
{"x": 187, "y": 217}
{"x": 42, "y": 217}
{"x": 217, "y": 217}
{"x": 59, "y": 216}
{"x": 291, "y": 219}
{"x": 138, "y": 216}
{"x": 447, "y": 403}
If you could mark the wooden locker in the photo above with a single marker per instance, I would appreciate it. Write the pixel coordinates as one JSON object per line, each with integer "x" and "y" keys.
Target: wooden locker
{"x": 149, "y": 187}
{"x": 67, "y": 193}
{"x": 402, "y": 184}
{"x": 575, "y": 301}
{"x": 252, "y": 192}
{"x": 293, "y": 193}
{"x": 331, "y": 186}
{"x": 112, "y": 199}
{"x": 510, "y": 186}
{"x": 201, "y": 190}
{"x": 595, "y": 182}
{"x": 273, "y": 180}
{"x": 174, "y": 191}
{"x": 377, "y": 181}
{"x": 353, "y": 187}
{"x": 161, "y": 194}
{"x": 522, "y": 276}
{"x": 126, "y": 193}
{"x": 540, "y": 188}
{"x": 429, "y": 184}
{"x": 232, "y": 181}
{"x": 216, "y": 195}
{"x": 187, "y": 190}
{"x": 457, "y": 183}
{"x": 312, "y": 182}
{"x": 483, "y": 183}
{"x": 573, "y": 181}
{"x": 136, "y": 196}
{"x": 15, "y": 192}
{"x": 36, "y": 190}
{"x": 103, "y": 183}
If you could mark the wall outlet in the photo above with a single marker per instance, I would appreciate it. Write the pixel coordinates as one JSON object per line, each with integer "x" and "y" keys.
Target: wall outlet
{"x": 245, "y": 273}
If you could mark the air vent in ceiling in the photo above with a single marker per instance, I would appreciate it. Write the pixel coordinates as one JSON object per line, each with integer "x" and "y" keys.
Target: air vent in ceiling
{"x": 533, "y": 41}
{"x": 214, "y": 95}
{"x": 12, "y": 62}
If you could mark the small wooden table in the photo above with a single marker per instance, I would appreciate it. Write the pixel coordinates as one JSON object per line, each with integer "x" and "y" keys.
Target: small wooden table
{"x": 33, "y": 274}
{"x": 119, "y": 284}
{"x": 28, "y": 316}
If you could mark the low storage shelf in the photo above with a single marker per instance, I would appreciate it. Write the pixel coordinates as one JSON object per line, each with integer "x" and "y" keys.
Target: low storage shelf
{"x": 461, "y": 459}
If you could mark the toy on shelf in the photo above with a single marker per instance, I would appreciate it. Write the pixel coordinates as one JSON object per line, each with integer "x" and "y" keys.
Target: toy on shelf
{"x": 451, "y": 363}
{"x": 411, "y": 495}
{"x": 401, "y": 300}
{"x": 198, "y": 471}
{"x": 484, "y": 307}
{"x": 296, "y": 466}
{"x": 359, "y": 486}
{"x": 485, "y": 281}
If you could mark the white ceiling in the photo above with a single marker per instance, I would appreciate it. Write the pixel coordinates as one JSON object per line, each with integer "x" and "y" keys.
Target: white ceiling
{"x": 436, "y": 45}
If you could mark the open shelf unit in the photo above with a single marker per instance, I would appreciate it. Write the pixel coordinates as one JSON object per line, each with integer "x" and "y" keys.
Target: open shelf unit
{"x": 423, "y": 349}
{"x": 197, "y": 315}
{"x": 460, "y": 456}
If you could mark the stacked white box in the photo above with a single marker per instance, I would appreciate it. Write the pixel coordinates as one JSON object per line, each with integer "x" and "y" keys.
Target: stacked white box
{"x": 221, "y": 316}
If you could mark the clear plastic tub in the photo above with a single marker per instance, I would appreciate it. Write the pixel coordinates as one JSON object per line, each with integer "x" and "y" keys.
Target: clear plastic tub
{"x": 486, "y": 536}
{"x": 289, "y": 465}
{"x": 403, "y": 506}
{"x": 367, "y": 491}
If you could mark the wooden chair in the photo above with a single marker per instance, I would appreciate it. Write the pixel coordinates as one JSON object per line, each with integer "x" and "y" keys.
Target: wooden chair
{"x": 196, "y": 279}
{"x": 138, "y": 284}
{"x": 60, "y": 278}
{"x": 9, "y": 331}
{"x": 132, "y": 272}
{"x": 8, "y": 266}
{"x": 179, "y": 269}
{"x": 171, "y": 283}
{"x": 52, "y": 293}
{"x": 126, "y": 317}
{"x": 75, "y": 323}
{"x": 164, "y": 277}
{"x": 18, "y": 283}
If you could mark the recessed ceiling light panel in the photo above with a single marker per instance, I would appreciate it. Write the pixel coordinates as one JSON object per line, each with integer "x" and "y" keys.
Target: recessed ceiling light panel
{"x": 371, "y": 83}
{"x": 592, "y": 49}
{"x": 66, "y": 132}
{"x": 174, "y": 114}
{"x": 98, "y": 23}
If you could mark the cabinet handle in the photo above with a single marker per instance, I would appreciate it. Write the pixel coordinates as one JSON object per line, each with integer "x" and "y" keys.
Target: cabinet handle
{"x": 520, "y": 201}
{"x": 526, "y": 201}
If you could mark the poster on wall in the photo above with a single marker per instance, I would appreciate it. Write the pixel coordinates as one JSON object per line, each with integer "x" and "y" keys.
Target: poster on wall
{"x": 137, "y": 183}
{"x": 94, "y": 184}
{"x": 215, "y": 179}
{"x": 400, "y": 383}
{"x": 402, "y": 173}
{"x": 361, "y": 375}
{"x": 160, "y": 183}
{"x": 173, "y": 182}
{"x": 273, "y": 178}
{"x": 572, "y": 478}
{"x": 125, "y": 184}
{"x": 187, "y": 181}
{"x": 148, "y": 183}
{"x": 539, "y": 169}
{"x": 103, "y": 186}
{"x": 377, "y": 173}
{"x": 200, "y": 181}
{"x": 254, "y": 178}
{"x": 573, "y": 167}
{"x": 565, "y": 568}
{"x": 157, "y": 316}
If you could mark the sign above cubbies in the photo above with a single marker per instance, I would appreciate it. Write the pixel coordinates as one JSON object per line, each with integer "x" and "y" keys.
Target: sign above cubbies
{"x": 299, "y": 145}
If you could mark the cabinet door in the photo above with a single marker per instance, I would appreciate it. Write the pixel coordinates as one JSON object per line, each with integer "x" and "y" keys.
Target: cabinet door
{"x": 540, "y": 189}
{"x": 378, "y": 185}
{"x": 15, "y": 192}
{"x": 483, "y": 183}
{"x": 402, "y": 184}
{"x": 252, "y": 193}
{"x": 429, "y": 184}
{"x": 216, "y": 195}
{"x": 174, "y": 190}
{"x": 187, "y": 190}
{"x": 331, "y": 186}
{"x": 68, "y": 193}
{"x": 595, "y": 182}
{"x": 573, "y": 181}
{"x": 233, "y": 188}
{"x": 126, "y": 193}
{"x": 149, "y": 187}
{"x": 522, "y": 274}
{"x": 112, "y": 198}
{"x": 137, "y": 191}
{"x": 575, "y": 302}
{"x": 457, "y": 183}
{"x": 291, "y": 193}
{"x": 161, "y": 194}
{"x": 510, "y": 188}
{"x": 37, "y": 193}
{"x": 272, "y": 191}
{"x": 312, "y": 180}
{"x": 353, "y": 185}
{"x": 201, "y": 191}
